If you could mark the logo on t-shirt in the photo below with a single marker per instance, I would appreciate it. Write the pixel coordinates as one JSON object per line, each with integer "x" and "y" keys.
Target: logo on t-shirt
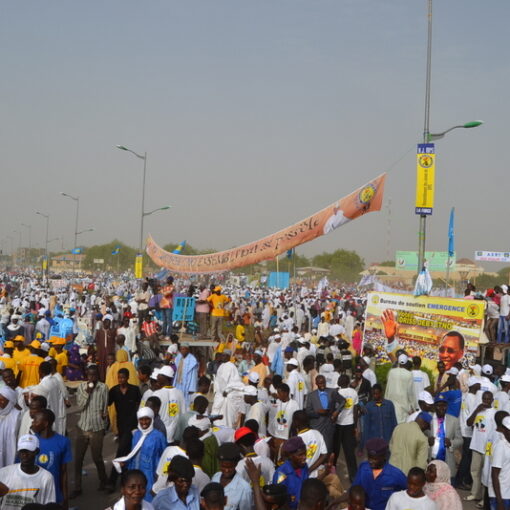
{"x": 173, "y": 409}
{"x": 310, "y": 450}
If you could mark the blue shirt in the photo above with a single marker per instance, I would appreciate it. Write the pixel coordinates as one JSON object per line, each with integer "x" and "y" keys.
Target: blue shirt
{"x": 287, "y": 475}
{"x": 167, "y": 499}
{"x": 379, "y": 420}
{"x": 54, "y": 452}
{"x": 238, "y": 493}
{"x": 379, "y": 490}
{"x": 323, "y": 396}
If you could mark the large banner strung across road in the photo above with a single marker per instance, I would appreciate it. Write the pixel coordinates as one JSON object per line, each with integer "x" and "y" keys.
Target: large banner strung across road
{"x": 365, "y": 199}
{"x": 433, "y": 328}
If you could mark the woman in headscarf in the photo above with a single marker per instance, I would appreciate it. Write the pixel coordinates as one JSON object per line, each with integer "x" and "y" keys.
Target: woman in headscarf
{"x": 75, "y": 365}
{"x": 121, "y": 361}
{"x": 438, "y": 487}
{"x": 9, "y": 425}
{"x": 147, "y": 447}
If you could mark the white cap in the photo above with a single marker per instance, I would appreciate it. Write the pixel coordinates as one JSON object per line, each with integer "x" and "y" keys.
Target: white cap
{"x": 506, "y": 422}
{"x": 277, "y": 336}
{"x": 292, "y": 362}
{"x": 276, "y": 330}
{"x": 505, "y": 378}
{"x": 453, "y": 371}
{"x": 314, "y": 331}
{"x": 167, "y": 371}
{"x": 301, "y": 340}
{"x": 28, "y": 442}
{"x": 45, "y": 347}
{"x": 155, "y": 373}
{"x": 366, "y": 359}
{"x": 426, "y": 397}
{"x": 250, "y": 390}
{"x": 108, "y": 316}
{"x": 403, "y": 359}
{"x": 487, "y": 370}
{"x": 253, "y": 377}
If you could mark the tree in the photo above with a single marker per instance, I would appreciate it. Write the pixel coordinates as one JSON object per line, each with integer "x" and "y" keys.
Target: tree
{"x": 387, "y": 263}
{"x": 125, "y": 259}
{"x": 344, "y": 265}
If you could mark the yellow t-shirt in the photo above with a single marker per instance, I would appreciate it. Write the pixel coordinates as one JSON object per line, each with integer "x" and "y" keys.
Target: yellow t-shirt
{"x": 62, "y": 362}
{"x": 218, "y": 303}
{"x": 30, "y": 370}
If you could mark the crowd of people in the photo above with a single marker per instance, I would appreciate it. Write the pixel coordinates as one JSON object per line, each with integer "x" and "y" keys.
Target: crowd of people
{"x": 256, "y": 404}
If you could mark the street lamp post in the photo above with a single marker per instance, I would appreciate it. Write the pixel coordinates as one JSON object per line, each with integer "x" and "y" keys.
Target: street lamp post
{"x": 142, "y": 214}
{"x": 46, "y": 239}
{"x": 430, "y": 137}
{"x": 77, "y": 200}
{"x": 29, "y": 227}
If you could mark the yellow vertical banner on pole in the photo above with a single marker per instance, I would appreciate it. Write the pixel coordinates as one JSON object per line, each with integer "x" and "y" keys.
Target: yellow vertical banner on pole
{"x": 425, "y": 178}
{"x": 139, "y": 266}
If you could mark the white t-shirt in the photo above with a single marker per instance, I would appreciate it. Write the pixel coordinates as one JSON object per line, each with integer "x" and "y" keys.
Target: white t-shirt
{"x": 258, "y": 412}
{"x": 501, "y": 459}
{"x": 315, "y": 447}
{"x": 280, "y": 418}
{"x": 402, "y": 501}
{"x": 467, "y": 408}
{"x": 483, "y": 427}
{"x": 25, "y": 488}
{"x": 504, "y": 305}
{"x": 501, "y": 401}
{"x": 420, "y": 381}
{"x": 266, "y": 468}
{"x": 346, "y": 416}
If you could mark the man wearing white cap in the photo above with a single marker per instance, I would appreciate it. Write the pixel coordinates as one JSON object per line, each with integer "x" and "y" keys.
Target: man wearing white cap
{"x": 26, "y": 482}
{"x": 421, "y": 379}
{"x": 296, "y": 382}
{"x": 501, "y": 398}
{"x": 400, "y": 389}
{"x": 425, "y": 404}
{"x": 172, "y": 401}
{"x": 486, "y": 383}
{"x": 255, "y": 410}
{"x": 504, "y": 313}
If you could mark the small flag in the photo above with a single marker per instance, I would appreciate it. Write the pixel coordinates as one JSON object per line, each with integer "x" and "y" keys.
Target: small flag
{"x": 179, "y": 248}
{"x": 451, "y": 234}
{"x": 290, "y": 253}
{"x": 76, "y": 251}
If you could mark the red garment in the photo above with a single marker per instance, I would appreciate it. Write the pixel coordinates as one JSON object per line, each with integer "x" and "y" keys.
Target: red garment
{"x": 357, "y": 340}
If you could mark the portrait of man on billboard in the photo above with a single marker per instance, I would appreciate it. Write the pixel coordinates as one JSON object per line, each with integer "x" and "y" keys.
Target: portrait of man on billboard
{"x": 451, "y": 348}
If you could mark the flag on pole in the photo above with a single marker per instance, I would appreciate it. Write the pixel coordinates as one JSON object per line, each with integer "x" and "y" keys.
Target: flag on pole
{"x": 451, "y": 234}
{"x": 76, "y": 251}
{"x": 179, "y": 248}
{"x": 290, "y": 253}
{"x": 116, "y": 250}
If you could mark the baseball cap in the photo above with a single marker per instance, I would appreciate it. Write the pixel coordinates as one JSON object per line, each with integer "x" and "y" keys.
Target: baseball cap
{"x": 292, "y": 362}
{"x": 28, "y": 442}
{"x": 403, "y": 359}
{"x": 242, "y": 432}
{"x": 250, "y": 390}
{"x": 487, "y": 369}
{"x": 426, "y": 397}
{"x": 253, "y": 377}
{"x": 167, "y": 371}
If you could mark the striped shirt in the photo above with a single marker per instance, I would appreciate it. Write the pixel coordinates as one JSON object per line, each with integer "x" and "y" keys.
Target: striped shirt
{"x": 93, "y": 406}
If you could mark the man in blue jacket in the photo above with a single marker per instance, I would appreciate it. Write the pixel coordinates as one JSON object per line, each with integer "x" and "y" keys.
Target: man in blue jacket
{"x": 378, "y": 478}
{"x": 294, "y": 471}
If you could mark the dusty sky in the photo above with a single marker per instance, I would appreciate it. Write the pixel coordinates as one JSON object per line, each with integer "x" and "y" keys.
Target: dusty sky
{"x": 254, "y": 114}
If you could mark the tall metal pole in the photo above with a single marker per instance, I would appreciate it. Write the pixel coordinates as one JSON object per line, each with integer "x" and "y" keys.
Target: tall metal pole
{"x": 422, "y": 231}
{"x": 76, "y": 222}
{"x": 143, "y": 202}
